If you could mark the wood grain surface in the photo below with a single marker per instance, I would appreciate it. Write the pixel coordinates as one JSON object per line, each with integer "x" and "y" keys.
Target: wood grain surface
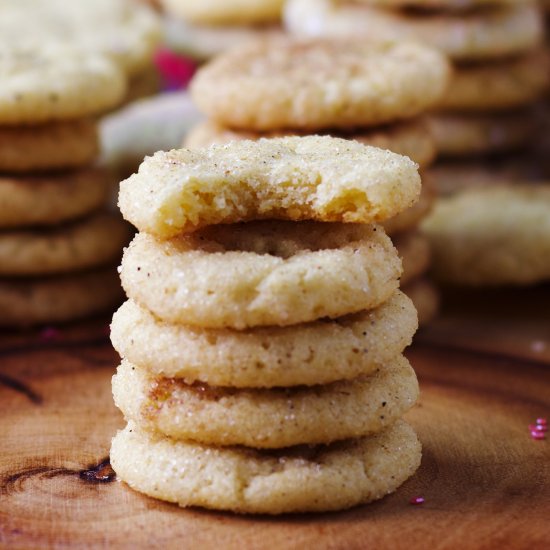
{"x": 486, "y": 483}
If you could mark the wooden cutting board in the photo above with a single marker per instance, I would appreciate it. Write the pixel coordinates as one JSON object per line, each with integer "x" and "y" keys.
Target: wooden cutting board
{"x": 485, "y": 482}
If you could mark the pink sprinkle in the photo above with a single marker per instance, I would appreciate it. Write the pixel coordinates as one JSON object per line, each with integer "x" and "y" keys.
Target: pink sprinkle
{"x": 49, "y": 333}
{"x": 538, "y": 428}
{"x": 417, "y": 500}
{"x": 541, "y": 421}
{"x": 538, "y": 436}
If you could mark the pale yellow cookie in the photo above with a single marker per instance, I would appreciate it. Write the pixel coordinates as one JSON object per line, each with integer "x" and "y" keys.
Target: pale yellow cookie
{"x": 202, "y": 42}
{"x": 453, "y": 176}
{"x": 498, "y": 85}
{"x": 261, "y": 273}
{"x": 458, "y": 135}
{"x": 266, "y": 418}
{"x": 414, "y": 251}
{"x": 474, "y": 34}
{"x": 299, "y": 479}
{"x": 492, "y": 237}
{"x": 283, "y": 82}
{"x": 425, "y": 297}
{"x": 50, "y": 199}
{"x": 312, "y": 353}
{"x": 225, "y": 12}
{"x": 58, "y": 299}
{"x": 45, "y": 84}
{"x": 409, "y": 219}
{"x": 125, "y": 31}
{"x": 294, "y": 178}
{"x": 412, "y": 138}
{"x": 50, "y": 146}
{"x": 80, "y": 245}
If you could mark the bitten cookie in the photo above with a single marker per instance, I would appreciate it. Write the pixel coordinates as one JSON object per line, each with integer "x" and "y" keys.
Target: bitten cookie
{"x": 299, "y": 479}
{"x": 262, "y": 273}
{"x": 281, "y": 82}
{"x": 294, "y": 178}
{"x": 314, "y": 353}
{"x": 96, "y": 240}
{"x": 491, "y": 237}
{"x": 267, "y": 418}
{"x": 51, "y": 199}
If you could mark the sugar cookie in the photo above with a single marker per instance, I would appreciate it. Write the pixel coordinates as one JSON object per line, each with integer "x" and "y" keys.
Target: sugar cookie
{"x": 295, "y": 178}
{"x": 302, "y": 479}
{"x": 314, "y": 353}
{"x": 313, "y": 84}
{"x": 261, "y": 273}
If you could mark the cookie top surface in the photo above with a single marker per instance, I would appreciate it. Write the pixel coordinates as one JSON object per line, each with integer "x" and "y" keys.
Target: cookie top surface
{"x": 267, "y": 418}
{"x": 307, "y": 354}
{"x": 262, "y": 273}
{"x": 294, "y": 178}
{"x": 127, "y": 32}
{"x": 222, "y": 12}
{"x": 311, "y": 84}
{"x": 491, "y": 237}
{"x": 474, "y": 34}
{"x": 56, "y": 83}
{"x": 299, "y": 479}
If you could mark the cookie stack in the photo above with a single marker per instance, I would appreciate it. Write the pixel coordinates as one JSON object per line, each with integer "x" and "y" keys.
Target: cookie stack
{"x": 55, "y": 237}
{"x": 262, "y": 366}
{"x": 371, "y": 93}
{"x": 499, "y": 66}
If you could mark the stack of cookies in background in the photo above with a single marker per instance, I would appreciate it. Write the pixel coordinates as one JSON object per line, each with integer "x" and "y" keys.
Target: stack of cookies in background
{"x": 201, "y": 30}
{"x": 262, "y": 365}
{"x": 56, "y": 237}
{"x": 371, "y": 93}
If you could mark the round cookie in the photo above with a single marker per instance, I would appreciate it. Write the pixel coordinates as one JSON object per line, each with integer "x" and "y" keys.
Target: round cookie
{"x": 50, "y": 146}
{"x": 261, "y": 273}
{"x": 48, "y": 84}
{"x": 58, "y": 299}
{"x": 302, "y": 479}
{"x": 414, "y": 251}
{"x": 453, "y": 176}
{"x": 412, "y": 138}
{"x": 459, "y": 5}
{"x": 498, "y": 85}
{"x": 86, "y": 243}
{"x": 225, "y": 12}
{"x": 474, "y": 34}
{"x": 267, "y": 418}
{"x": 201, "y": 42}
{"x": 295, "y": 178}
{"x": 125, "y": 31}
{"x": 50, "y": 199}
{"x": 425, "y": 297}
{"x": 410, "y": 219}
{"x": 458, "y": 135}
{"x": 492, "y": 237}
{"x": 314, "y": 353}
{"x": 281, "y": 82}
